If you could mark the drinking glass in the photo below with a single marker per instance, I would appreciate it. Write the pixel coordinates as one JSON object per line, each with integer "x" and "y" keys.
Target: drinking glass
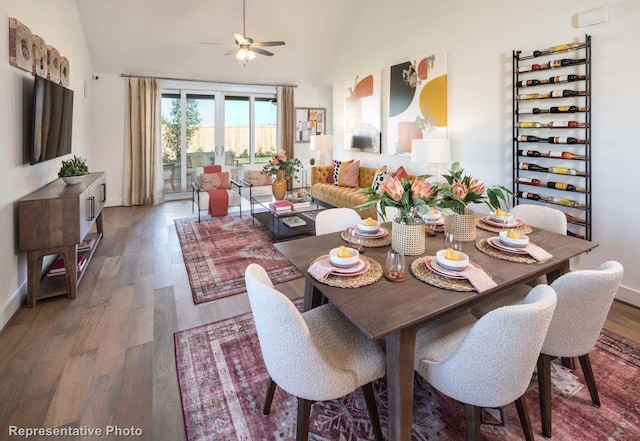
{"x": 396, "y": 266}
{"x": 452, "y": 240}
{"x": 357, "y": 242}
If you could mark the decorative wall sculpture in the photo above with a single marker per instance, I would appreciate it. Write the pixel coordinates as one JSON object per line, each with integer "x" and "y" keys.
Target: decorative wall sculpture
{"x": 362, "y": 109}
{"x": 30, "y": 52}
{"x": 417, "y": 101}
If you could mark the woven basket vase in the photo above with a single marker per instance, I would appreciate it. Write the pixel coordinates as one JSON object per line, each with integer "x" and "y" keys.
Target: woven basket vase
{"x": 463, "y": 225}
{"x": 408, "y": 239}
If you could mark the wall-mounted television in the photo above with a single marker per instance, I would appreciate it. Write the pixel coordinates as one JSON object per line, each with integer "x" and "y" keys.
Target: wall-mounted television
{"x": 52, "y": 121}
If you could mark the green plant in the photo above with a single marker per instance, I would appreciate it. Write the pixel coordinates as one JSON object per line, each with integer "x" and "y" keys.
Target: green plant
{"x": 461, "y": 190}
{"x": 312, "y": 161}
{"x": 73, "y": 167}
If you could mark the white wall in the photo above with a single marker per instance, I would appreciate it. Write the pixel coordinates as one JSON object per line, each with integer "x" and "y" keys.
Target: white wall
{"x": 58, "y": 24}
{"x": 480, "y": 38}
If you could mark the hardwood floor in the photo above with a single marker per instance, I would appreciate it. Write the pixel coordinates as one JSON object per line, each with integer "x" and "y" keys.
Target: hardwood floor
{"x": 107, "y": 357}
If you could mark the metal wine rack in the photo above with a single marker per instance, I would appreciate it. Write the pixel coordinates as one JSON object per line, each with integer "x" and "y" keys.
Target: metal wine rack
{"x": 552, "y": 131}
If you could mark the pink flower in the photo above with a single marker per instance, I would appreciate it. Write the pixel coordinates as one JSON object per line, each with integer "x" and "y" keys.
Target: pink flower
{"x": 422, "y": 189}
{"x": 459, "y": 190}
{"x": 274, "y": 161}
{"x": 476, "y": 187}
{"x": 392, "y": 187}
{"x": 281, "y": 157}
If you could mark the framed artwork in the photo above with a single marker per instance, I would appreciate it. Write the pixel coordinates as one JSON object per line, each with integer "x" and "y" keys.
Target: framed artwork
{"x": 417, "y": 102}
{"x": 309, "y": 122}
{"x": 362, "y": 113}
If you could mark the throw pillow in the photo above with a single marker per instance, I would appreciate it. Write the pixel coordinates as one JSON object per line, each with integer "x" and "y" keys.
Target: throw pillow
{"x": 257, "y": 178}
{"x": 401, "y": 173}
{"x": 381, "y": 175}
{"x": 348, "y": 174}
{"x": 335, "y": 170}
{"x": 214, "y": 181}
{"x": 212, "y": 168}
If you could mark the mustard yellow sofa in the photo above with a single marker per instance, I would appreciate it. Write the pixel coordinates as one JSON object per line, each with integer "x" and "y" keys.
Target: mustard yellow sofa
{"x": 347, "y": 197}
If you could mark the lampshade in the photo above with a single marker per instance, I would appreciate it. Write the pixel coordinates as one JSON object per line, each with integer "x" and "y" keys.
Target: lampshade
{"x": 431, "y": 151}
{"x": 321, "y": 142}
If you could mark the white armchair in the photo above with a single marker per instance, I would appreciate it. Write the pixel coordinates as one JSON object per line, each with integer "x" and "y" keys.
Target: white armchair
{"x": 479, "y": 364}
{"x": 251, "y": 179}
{"x": 317, "y": 355}
{"x": 200, "y": 198}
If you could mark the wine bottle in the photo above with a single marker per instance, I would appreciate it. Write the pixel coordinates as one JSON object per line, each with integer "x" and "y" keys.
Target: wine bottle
{"x": 565, "y": 140}
{"x": 563, "y": 155}
{"x": 530, "y": 181}
{"x": 531, "y": 167}
{"x": 533, "y": 67}
{"x": 530, "y": 124}
{"x": 565, "y": 187}
{"x": 566, "y": 202}
{"x": 567, "y": 62}
{"x": 567, "y": 92}
{"x": 529, "y": 96}
{"x": 533, "y": 153}
{"x": 528, "y": 83}
{"x": 576, "y": 235}
{"x": 566, "y": 78}
{"x": 566, "y": 171}
{"x": 564, "y": 109}
{"x": 574, "y": 219}
{"x": 530, "y": 138}
{"x": 563, "y": 47}
{"x": 557, "y": 124}
{"x": 525, "y": 195}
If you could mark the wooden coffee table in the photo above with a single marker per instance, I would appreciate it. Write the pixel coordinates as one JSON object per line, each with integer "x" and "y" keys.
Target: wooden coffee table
{"x": 277, "y": 222}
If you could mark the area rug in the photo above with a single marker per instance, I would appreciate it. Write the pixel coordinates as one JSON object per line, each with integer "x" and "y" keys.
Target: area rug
{"x": 217, "y": 251}
{"x": 223, "y": 382}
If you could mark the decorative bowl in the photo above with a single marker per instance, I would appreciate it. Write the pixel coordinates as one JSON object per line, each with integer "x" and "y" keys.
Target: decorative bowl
{"x": 344, "y": 262}
{"x": 511, "y": 242}
{"x": 498, "y": 218}
{"x": 369, "y": 228}
{"x": 456, "y": 265}
{"x": 73, "y": 180}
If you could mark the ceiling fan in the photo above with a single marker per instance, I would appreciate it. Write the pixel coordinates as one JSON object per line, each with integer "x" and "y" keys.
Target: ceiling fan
{"x": 246, "y": 49}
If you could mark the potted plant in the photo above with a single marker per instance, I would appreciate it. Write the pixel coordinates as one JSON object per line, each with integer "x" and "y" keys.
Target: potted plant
{"x": 73, "y": 170}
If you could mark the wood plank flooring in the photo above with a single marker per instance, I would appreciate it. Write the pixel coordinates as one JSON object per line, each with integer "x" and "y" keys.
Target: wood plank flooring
{"x": 107, "y": 357}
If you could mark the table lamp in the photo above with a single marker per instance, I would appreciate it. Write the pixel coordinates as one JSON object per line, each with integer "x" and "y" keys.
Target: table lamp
{"x": 431, "y": 151}
{"x": 321, "y": 143}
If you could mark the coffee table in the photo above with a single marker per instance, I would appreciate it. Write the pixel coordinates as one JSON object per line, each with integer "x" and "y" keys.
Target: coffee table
{"x": 277, "y": 222}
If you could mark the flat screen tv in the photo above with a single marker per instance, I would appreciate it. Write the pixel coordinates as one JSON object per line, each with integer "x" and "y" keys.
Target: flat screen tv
{"x": 52, "y": 121}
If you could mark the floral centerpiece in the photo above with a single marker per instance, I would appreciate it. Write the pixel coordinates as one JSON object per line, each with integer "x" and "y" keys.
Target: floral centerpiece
{"x": 460, "y": 190}
{"x": 284, "y": 169}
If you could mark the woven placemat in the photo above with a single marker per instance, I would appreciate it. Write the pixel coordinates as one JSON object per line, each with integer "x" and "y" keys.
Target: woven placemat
{"x": 420, "y": 270}
{"x": 523, "y": 229}
{"x": 370, "y": 243}
{"x": 373, "y": 275}
{"x": 484, "y": 246}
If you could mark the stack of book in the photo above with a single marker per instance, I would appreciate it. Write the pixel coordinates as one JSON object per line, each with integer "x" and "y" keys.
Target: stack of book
{"x": 57, "y": 268}
{"x": 301, "y": 205}
{"x": 86, "y": 245}
{"x": 281, "y": 206}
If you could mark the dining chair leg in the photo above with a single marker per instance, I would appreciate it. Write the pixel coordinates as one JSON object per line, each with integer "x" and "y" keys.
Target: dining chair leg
{"x": 523, "y": 414}
{"x": 271, "y": 388}
{"x": 585, "y": 363}
{"x": 473, "y": 415}
{"x": 304, "y": 413}
{"x": 544, "y": 389}
{"x": 569, "y": 362}
{"x": 370, "y": 399}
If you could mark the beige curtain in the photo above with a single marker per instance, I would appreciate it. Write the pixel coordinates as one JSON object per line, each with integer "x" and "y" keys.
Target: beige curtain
{"x": 285, "y": 101}
{"x": 143, "y": 179}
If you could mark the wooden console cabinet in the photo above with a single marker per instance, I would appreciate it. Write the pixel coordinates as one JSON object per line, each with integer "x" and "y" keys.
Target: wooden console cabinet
{"x": 53, "y": 221}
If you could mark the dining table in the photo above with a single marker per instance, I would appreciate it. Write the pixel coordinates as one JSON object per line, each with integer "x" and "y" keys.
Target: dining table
{"x": 395, "y": 311}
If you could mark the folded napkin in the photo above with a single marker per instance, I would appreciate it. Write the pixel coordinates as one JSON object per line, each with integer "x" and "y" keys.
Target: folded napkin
{"x": 478, "y": 278}
{"x": 537, "y": 253}
{"x": 321, "y": 269}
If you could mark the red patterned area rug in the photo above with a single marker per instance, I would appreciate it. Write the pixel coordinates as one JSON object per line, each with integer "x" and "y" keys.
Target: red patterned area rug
{"x": 223, "y": 382}
{"x": 217, "y": 251}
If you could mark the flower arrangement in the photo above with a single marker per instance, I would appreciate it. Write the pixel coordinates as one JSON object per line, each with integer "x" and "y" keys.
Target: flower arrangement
{"x": 279, "y": 162}
{"x": 408, "y": 196}
{"x": 461, "y": 190}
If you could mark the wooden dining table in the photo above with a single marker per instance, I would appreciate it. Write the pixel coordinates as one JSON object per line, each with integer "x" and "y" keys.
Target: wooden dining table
{"x": 396, "y": 311}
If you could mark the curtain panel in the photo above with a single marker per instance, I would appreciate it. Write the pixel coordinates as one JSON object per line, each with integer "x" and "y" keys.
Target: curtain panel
{"x": 143, "y": 174}
{"x": 286, "y": 104}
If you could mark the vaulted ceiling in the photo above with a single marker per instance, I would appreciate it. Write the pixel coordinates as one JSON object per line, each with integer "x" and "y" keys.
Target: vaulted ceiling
{"x": 160, "y": 37}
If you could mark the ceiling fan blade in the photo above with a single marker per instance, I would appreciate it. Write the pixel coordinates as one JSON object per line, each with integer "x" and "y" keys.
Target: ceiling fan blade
{"x": 257, "y": 50}
{"x": 239, "y": 39}
{"x": 233, "y": 51}
{"x": 217, "y": 44}
{"x": 269, "y": 43}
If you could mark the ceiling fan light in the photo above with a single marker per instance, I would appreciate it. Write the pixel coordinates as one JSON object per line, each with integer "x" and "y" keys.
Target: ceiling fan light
{"x": 250, "y": 54}
{"x": 242, "y": 54}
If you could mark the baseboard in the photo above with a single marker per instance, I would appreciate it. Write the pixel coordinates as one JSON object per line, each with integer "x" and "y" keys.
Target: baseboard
{"x": 12, "y": 306}
{"x": 629, "y": 296}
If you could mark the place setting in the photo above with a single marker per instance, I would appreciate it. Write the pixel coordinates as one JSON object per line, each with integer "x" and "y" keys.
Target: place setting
{"x": 367, "y": 233}
{"x": 344, "y": 267}
{"x": 452, "y": 269}
{"x": 499, "y": 220}
{"x": 514, "y": 246}
{"x": 433, "y": 222}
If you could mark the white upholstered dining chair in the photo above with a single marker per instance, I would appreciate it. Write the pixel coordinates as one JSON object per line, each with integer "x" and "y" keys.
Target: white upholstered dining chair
{"x": 336, "y": 219}
{"x": 584, "y": 299}
{"x": 389, "y": 213}
{"x": 546, "y": 218}
{"x": 317, "y": 355}
{"x": 479, "y": 364}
